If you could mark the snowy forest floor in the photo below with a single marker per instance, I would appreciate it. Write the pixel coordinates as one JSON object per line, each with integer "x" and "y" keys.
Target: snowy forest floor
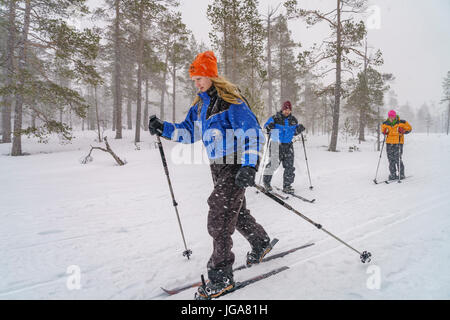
{"x": 118, "y": 226}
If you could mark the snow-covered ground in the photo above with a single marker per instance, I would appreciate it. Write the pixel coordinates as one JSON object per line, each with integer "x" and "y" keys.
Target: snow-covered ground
{"x": 117, "y": 226}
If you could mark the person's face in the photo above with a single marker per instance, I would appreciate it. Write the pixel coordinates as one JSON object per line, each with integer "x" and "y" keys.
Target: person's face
{"x": 391, "y": 118}
{"x": 202, "y": 83}
{"x": 286, "y": 112}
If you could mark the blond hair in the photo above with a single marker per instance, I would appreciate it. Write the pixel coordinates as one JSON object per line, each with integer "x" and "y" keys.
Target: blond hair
{"x": 225, "y": 90}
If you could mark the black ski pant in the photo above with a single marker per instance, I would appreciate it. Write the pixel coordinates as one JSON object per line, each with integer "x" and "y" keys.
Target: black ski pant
{"x": 394, "y": 153}
{"x": 280, "y": 153}
{"x": 227, "y": 212}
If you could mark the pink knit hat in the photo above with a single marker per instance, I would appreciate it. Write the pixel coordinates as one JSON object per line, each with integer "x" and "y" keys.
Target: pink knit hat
{"x": 392, "y": 114}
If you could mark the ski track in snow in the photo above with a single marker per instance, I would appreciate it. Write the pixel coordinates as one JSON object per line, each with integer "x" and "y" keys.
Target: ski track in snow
{"x": 119, "y": 226}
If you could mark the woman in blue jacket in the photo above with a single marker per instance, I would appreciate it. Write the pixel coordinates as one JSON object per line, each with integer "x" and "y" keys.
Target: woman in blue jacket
{"x": 233, "y": 139}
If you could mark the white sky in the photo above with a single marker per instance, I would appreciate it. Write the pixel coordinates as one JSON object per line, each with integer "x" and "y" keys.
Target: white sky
{"x": 414, "y": 37}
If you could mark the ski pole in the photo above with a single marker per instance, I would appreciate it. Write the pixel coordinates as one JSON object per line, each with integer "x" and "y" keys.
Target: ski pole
{"x": 267, "y": 146}
{"x": 399, "y": 158}
{"x": 306, "y": 160}
{"x": 376, "y": 173}
{"x": 365, "y": 256}
{"x": 187, "y": 253}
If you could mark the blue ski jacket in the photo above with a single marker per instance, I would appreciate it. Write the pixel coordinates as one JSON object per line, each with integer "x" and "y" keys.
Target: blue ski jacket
{"x": 228, "y": 131}
{"x": 283, "y": 129}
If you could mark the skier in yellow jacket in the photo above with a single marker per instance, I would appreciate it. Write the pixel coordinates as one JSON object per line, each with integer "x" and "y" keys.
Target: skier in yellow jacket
{"x": 394, "y": 129}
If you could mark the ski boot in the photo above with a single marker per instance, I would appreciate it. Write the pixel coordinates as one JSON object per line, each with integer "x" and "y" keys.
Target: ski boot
{"x": 393, "y": 177}
{"x": 268, "y": 187}
{"x": 258, "y": 254}
{"x": 211, "y": 290}
{"x": 288, "y": 190}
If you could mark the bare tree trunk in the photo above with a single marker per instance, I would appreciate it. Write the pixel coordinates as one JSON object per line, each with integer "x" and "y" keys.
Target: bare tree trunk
{"x": 270, "y": 13}
{"x": 137, "y": 136}
{"x": 281, "y": 75}
{"x": 378, "y": 128}
{"x": 362, "y": 125}
{"x": 324, "y": 116}
{"x": 96, "y": 114}
{"x": 337, "y": 89}
{"x": 129, "y": 89}
{"x": 234, "y": 64}
{"x": 225, "y": 49}
{"x": 163, "y": 88}
{"x": 234, "y": 56}
{"x": 365, "y": 106}
{"x": 33, "y": 119}
{"x": 448, "y": 117}
{"x": 18, "y": 110}
{"x": 9, "y": 68}
{"x": 174, "y": 78}
{"x": 145, "y": 120}
{"x": 269, "y": 64}
{"x": 307, "y": 106}
{"x": 252, "y": 85}
{"x": 91, "y": 110}
{"x": 70, "y": 119}
{"x": 114, "y": 119}
{"x": 117, "y": 73}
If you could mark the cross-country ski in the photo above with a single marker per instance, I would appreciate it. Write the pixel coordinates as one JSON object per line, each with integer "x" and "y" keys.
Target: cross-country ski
{"x": 293, "y": 194}
{"x": 241, "y": 267}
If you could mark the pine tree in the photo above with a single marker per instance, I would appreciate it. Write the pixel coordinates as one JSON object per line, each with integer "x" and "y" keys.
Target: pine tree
{"x": 424, "y": 120}
{"x": 43, "y": 36}
{"x": 253, "y": 47}
{"x": 117, "y": 69}
{"x": 9, "y": 71}
{"x": 285, "y": 64}
{"x": 153, "y": 66}
{"x": 366, "y": 95}
{"x": 21, "y": 70}
{"x": 178, "y": 54}
{"x": 270, "y": 35}
{"x": 142, "y": 16}
{"x": 406, "y": 112}
{"x": 348, "y": 36}
{"x": 312, "y": 103}
{"x": 237, "y": 35}
{"x": 193, "y": 48}
{"x": 253, "y": 75}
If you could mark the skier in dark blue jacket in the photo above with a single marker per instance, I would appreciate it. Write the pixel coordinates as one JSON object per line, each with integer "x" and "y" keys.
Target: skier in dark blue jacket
{"x": 282, "y": 128}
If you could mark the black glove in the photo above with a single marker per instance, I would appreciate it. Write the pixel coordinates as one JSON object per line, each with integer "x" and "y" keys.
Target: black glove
{"x": 155, "y": 125}
{"x": 245, "y": 177}
{"x": 300, "y": 129}
{"x": 269, "y": 127}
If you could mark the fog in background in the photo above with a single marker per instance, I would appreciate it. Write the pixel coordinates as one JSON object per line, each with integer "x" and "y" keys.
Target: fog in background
{"x": 413, "y": 35}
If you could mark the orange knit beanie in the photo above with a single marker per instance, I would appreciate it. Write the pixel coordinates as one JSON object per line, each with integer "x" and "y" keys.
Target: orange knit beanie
{"x": 204, "y": 65}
